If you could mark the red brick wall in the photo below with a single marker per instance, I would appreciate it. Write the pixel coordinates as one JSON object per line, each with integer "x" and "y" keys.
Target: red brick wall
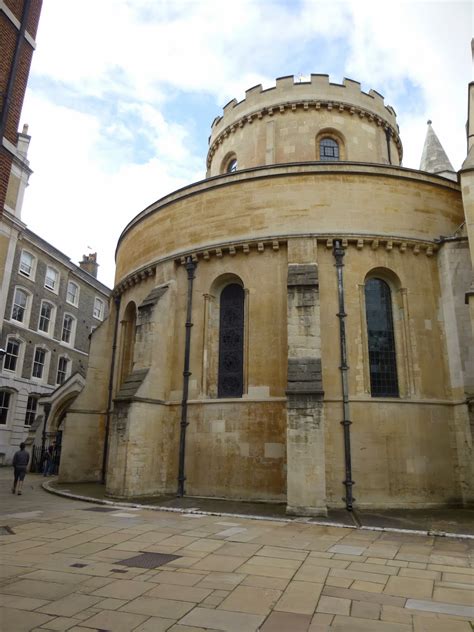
{"x": 8, "y": 39}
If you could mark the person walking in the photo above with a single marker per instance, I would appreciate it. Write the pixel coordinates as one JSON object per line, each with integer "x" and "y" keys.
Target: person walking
{"x": 21, "y": 458}
{"x": 48, "y": 465}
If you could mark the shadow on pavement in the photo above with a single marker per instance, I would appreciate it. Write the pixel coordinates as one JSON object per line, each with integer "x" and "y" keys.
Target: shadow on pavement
{"x": 455, "y": 520}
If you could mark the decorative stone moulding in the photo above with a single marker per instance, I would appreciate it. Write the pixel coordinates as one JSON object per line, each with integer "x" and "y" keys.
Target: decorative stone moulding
{"x": 289, "y": 96}
{"x": 389, "y": 244}
{"x": 134, "y": 279}
{"x": 259, "y": 246}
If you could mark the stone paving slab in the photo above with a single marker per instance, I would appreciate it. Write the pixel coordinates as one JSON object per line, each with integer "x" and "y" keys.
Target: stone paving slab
{"x": 60, "y": 571}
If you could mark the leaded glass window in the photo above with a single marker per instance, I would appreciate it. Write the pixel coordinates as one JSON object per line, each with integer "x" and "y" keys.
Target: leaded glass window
{"x": 231, "y": 342}
{"x": 328, "y": 149}
{"x": 382, "y": 353}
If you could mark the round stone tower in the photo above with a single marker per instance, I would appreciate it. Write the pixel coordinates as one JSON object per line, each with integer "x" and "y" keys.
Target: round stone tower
{"x": 301, "y": 122}
{"x": 236, "y": 276}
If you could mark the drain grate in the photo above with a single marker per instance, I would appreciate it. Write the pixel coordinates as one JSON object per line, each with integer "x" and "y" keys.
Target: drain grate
{"x": 100, "y": 509}
{"x": 6, "y": 531}
{"x": 78, "y": 565}
{"x": 119, "y": 570}
{"x": 149, "y": 560}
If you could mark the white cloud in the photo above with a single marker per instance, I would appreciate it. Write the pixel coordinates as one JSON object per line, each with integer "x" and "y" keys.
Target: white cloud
{"x": 95, "y": 168}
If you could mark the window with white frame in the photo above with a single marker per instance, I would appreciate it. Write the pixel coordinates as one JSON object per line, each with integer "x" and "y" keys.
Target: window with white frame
{"x": 4, "y": 405}
{"x": 39, "y": 363}
{"x": 72, "y": 295}
{"x": 20, "y": 305}
{"x": 12, "y": 354}
{"x": 51, "y": 280}
{"x": 99, "y": 308}
{"x": 63, "y": 368}
{"x": 46, "y": 317}
{"x": 68, "y": 330}
{"x": 27, "y": 264}
{"x": 31, "y": 408}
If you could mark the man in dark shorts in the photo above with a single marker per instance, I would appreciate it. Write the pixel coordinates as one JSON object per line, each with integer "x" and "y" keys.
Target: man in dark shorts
{"x": 21, "y": 459}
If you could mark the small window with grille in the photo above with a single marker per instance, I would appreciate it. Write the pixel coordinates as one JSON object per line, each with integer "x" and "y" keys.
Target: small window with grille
{"x": 328, "y": 149}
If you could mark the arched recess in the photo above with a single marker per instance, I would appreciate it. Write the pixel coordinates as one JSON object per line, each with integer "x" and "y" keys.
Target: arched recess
{"x": 127, "y": 340}
{"x": 387, "y": 349}
{"x": 225, "y": 344}
{"x": 229, "y": 163}
{"x": 336, "y": 137}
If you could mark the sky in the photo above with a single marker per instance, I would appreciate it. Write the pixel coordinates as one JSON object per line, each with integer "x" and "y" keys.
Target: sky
{"x": 122, "y": 93}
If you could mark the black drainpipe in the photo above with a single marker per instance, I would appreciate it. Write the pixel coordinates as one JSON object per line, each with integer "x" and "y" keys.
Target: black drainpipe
{"x": 388, "y": 136}
{"x": 13, "y": 70}
{"x": 111, "y": 389}
{"x": 47, "y": 410}
{"x": 190, "y": 266}
{"x": 338, "y": 252}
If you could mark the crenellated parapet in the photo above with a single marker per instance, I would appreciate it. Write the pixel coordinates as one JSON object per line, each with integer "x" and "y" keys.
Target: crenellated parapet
{"x": 318, "y": 94}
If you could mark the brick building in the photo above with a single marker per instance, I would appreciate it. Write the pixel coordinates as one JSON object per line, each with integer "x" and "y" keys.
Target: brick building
{"x": 52, "y": 308}
{"x": 18, "y": 25}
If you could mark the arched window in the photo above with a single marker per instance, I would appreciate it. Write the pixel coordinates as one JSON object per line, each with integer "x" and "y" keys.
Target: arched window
{"x": 229, "y": 163}
{"x": 232, "y": 166}
{"x": 69, "y": 329}
{"x": 381, "y": 339}
{"x": 328, "y": 149}
{"x": 20, "y": 306}
{"x": 231, "y": 342}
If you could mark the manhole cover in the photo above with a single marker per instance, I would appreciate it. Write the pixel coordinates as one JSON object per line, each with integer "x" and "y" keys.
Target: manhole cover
{"x": 6, "y": 531}
{"x": 149, "y": 560}
{"x": 100, "y": 509}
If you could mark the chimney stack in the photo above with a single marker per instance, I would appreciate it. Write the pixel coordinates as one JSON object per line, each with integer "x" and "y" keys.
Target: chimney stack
{"x": 89, "y": 264}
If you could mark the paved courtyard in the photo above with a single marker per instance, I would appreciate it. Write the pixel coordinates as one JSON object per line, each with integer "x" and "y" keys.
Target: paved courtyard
{"x": 63, "y": 568}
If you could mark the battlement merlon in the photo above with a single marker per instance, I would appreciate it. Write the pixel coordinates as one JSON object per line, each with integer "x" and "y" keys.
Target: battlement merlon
{"x": 318, "y": 89}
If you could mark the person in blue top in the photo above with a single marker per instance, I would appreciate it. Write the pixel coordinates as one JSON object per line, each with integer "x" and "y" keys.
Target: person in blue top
{"x": 21, "y": 458}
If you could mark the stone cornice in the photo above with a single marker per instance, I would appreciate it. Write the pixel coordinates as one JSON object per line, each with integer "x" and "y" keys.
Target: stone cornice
{"x": 135, "y": 278}
{"x": 258, "y": 246}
